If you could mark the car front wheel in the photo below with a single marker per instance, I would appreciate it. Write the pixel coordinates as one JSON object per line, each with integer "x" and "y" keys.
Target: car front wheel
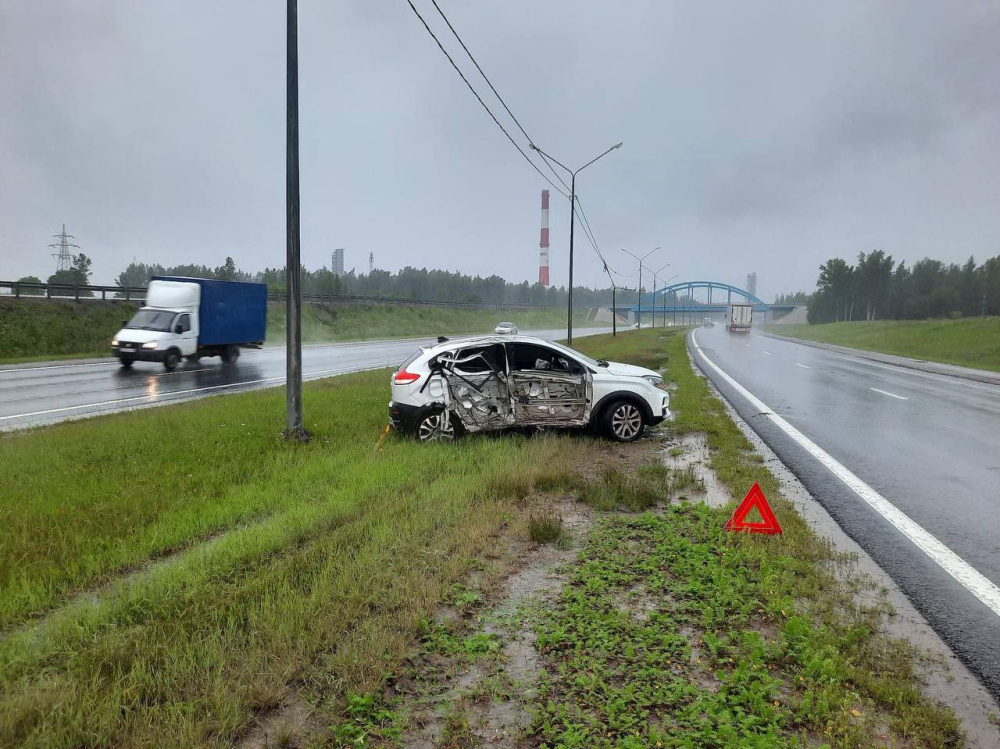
{"x": 434, "y": 427}
{"x": 171, "y": 359}
{"x": 622, "y": 421}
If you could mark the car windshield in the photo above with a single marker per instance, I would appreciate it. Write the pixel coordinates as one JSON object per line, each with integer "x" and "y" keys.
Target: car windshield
{"x": 151, "y": 319}
{"x": 578, "y": 355}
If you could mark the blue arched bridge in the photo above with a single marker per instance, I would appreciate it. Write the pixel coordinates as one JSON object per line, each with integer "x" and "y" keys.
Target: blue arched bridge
{"x": 687, "y": 300}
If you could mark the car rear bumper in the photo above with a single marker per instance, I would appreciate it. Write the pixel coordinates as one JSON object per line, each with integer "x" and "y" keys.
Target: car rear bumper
{"x": 405, "y": 418}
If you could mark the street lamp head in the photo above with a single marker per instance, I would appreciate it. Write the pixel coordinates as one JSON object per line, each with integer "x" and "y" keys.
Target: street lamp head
{"x": 617, "y": 145}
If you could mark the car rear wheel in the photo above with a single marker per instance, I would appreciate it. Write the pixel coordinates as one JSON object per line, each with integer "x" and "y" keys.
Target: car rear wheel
{"x": 126, "y": 362}
{"x": 435, "y": 428}
{"x": 622, "y": 421}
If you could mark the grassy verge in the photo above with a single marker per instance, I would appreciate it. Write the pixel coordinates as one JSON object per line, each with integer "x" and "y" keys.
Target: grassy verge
{"x": 321, "y": 562}
{"x": 43, "y": 330}
{"x": 356, "y": 323}
{"x": 751, "y": 641}
{"x": 311, "y": 572}
{"x": 970, "y": 342}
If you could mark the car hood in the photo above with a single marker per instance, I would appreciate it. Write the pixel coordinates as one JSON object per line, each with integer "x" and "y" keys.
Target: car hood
{"x": 629, "y": 370}
{"x": 135, "y": 335}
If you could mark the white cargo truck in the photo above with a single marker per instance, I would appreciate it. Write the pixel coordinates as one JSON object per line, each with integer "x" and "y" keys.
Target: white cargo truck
{"x": 740, "y": 318}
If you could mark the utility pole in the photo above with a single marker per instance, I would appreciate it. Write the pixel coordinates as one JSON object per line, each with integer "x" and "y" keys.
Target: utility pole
{"x": 294, "y": 429}
{"x": 572, "y": 215}
{"x": 614, "y": 301}
{"x": 638, "y": 319}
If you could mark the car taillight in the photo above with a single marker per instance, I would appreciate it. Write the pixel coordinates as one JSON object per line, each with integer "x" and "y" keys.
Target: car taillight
{"x": 403, "y": 377}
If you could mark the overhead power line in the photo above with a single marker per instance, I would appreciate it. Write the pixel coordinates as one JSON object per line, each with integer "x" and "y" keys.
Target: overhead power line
{"x": 478, "y": 97}
{"x": 495, "y": 92}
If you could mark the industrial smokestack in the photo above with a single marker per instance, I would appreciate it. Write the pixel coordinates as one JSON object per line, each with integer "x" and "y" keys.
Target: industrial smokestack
{"x": 543, "y": 253}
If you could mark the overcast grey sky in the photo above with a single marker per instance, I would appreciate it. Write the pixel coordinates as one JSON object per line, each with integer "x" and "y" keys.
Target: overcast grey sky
{"x": 763, "y": 136}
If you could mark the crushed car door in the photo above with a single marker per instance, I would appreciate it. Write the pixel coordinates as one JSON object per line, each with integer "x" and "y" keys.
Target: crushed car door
{"x": 548, "y": 388}
{"x": 476, "y": 389}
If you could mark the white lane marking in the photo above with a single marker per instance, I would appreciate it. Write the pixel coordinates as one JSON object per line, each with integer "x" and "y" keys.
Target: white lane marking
{"x": 747, "y": 345}
{"x": 891, "y": 395}
{"x": 804, "y": 366}
{"x": 971, "y": 579}
{"x": 769, "y": 353}
{"x": 60, "y": 366}
{"x": 169, "y": 395}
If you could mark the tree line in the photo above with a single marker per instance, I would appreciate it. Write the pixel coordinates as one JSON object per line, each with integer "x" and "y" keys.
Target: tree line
{"x": 409, "y": 283}
{"x": 878, "y": 288}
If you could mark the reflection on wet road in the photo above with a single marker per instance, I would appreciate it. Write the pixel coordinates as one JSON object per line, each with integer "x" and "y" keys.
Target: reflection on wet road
{"x": 31, "y": 395}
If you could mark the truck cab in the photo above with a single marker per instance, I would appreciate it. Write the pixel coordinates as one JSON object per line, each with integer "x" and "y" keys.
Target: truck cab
{"x": 192, "y": 318}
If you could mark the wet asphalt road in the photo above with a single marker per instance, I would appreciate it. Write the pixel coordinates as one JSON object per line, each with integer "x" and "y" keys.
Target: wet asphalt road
{"x": 36, "y": 394}
{"x": 929, "y": 444}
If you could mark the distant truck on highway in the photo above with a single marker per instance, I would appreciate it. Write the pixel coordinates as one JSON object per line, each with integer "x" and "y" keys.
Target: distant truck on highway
{"x": 192, "y": 318}
{"x": 740, "y": 318}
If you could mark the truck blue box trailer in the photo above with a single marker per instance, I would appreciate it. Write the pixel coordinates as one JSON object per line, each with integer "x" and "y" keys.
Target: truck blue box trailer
{"x": 230, "y": 311}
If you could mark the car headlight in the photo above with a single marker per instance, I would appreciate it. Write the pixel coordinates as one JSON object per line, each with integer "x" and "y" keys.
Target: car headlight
{"x": 151, "y": 344}
{"x": 654, "y": 380}
{"x": 114, "y": 342}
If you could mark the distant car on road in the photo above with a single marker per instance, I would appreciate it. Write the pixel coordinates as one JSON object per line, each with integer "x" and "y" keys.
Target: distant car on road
{"x": 505, "y": 328}
{"x": 491, "y": 383}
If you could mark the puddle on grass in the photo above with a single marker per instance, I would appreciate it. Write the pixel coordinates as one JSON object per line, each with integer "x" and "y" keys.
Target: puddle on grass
{"x": 278, "y": 728}
{"x": 690, "y": 452}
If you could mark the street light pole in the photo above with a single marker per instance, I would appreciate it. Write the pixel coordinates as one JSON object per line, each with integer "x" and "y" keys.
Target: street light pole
{"x": 294, "y": 430}
{"x": 638, "y": 317}
{"x": 572, "y": 215}
{"x": 665, "y": 265}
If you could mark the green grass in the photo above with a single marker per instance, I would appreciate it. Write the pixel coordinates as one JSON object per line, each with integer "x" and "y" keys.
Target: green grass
{"x": 45, "y": 330}
{"x": 321, "y": 559}
{"x": 317, "y": 569}
{"x": 41, "y": 330}
{"x": 754, "y": 641}
{"x": 970, "y": 342}
{"x": 356, "y": 323}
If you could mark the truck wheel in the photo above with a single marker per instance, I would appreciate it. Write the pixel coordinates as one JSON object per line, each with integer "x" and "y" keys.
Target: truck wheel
{"x": 230, "y": 354}
{"x": 622, "y": 421}
{"x": 126, "y": 362}
{"x": 171, "y": 359}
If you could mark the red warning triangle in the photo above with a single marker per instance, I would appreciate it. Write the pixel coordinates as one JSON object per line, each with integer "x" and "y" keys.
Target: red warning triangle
{"x": 754, "y": 498}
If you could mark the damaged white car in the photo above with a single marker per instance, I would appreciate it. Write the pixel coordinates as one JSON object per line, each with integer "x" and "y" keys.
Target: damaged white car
{"x": 499, "y": 382}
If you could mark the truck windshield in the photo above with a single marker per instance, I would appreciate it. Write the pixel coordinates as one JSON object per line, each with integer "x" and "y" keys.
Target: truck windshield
{"x": 151, "y": 319}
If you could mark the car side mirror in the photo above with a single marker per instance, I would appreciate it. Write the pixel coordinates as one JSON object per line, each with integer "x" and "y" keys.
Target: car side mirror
{"x": 179, "y": 328}
{"x": 124, "y": 323}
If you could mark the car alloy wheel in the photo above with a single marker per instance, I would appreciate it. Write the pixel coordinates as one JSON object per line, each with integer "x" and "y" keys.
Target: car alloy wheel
{"x": 626, "y": 422}
{"x": 435, "y": 428}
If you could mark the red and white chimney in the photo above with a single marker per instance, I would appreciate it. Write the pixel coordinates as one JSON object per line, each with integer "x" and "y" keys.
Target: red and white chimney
{"x": 543, "y": 254}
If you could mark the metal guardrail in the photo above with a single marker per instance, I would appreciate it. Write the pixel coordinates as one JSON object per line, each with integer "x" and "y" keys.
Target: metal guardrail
{"x": 22, "y": 290}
